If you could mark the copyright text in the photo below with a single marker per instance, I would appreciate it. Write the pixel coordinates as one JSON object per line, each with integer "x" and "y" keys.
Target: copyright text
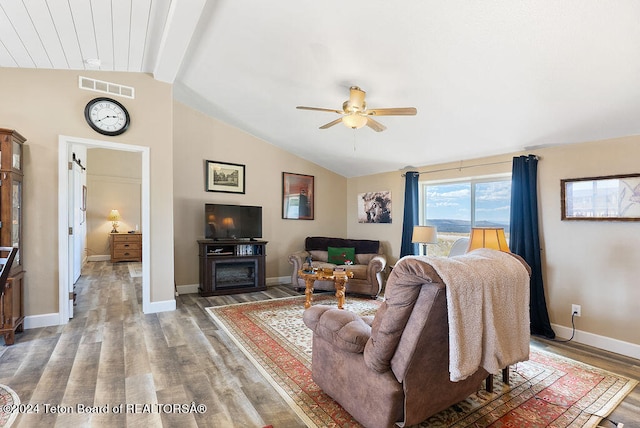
{"x": 130, "y": 408}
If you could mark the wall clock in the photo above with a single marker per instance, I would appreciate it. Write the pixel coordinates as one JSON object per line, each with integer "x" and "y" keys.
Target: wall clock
{"x": 107, "y": 116}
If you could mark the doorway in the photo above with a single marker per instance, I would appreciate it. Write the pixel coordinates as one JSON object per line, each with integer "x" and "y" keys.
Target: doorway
{"x": 65, "y": 240}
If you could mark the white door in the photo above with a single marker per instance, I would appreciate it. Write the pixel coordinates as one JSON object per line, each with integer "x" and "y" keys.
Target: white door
{"x": 76, "y": 226}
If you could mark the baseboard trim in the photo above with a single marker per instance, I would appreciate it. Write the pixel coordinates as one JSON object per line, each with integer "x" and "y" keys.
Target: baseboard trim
{"x": 99, "y": 258}
{"x": 277, "y": 280}
{"x": 602, "y": 342}
{"x": 48, "y": 320}
{"x": 187, "y": 288}
{"x": 269, "y": 282}
{"x": 162, "y": 306}
{"x": 44, "y": 320}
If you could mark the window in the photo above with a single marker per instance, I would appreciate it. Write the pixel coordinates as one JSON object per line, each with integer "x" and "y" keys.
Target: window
{"x": 455, "y": 207}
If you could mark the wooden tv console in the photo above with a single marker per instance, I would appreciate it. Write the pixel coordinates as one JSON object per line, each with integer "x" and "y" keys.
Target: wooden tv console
{"x": 231, "y": 266}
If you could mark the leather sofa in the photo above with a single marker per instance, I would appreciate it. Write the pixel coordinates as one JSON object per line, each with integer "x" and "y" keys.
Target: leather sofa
{"x": 367, "y": 268}
{"x": 395, "y": 368}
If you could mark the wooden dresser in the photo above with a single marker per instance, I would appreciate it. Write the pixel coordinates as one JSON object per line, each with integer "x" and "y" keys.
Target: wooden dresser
{"x": 126, "y": 247}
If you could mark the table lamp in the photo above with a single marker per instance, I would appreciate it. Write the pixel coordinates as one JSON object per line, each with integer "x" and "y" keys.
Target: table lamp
{"x": 424, "y": 235}
{"x": 114, "y": 216}
{"x": 488, "y": 237}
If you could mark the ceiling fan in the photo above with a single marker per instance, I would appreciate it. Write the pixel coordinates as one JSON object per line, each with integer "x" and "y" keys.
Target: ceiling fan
{"x": 356, "y": 115}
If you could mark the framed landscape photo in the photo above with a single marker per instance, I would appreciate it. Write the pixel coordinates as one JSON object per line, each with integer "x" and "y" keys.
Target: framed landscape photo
{"x": 297, "y": 196}
{"x": 614, "y": 197}
{"x": 225, "y": 177}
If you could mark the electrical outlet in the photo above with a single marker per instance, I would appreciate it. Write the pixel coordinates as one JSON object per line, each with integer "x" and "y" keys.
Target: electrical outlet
{"x": 576, "y": 309}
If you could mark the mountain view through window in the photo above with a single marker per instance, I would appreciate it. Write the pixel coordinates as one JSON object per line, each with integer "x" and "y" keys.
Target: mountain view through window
{"x": 455, "y": 207}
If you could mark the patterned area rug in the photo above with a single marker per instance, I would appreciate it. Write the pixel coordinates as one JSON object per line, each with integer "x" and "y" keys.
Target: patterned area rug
{"x": 546, "y": 391}
{"x": 9, "y": 400}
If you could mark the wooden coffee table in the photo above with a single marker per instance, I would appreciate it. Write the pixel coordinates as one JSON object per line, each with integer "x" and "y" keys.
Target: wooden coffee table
{"x": 339, "y": 278}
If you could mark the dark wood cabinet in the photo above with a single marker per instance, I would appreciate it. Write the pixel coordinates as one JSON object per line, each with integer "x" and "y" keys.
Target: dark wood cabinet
{"x": 11, "y": 302}
{"x": 228, "y": 267}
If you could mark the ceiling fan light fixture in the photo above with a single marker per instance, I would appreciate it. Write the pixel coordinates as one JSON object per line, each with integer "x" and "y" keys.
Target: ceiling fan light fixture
{"x": 355, "y": 103}
{"x": 349, "y": 108}
{"x": 354, "y": 121}
{"x": 356, "y": 97}
{"x": 354, "y": 113}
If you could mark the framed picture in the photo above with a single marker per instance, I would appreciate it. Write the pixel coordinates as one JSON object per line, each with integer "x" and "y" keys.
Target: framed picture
{"x": 374, "y": 207}
{"x": 297, "y": 196}
{"x": 225, "y": 177}
{"x": 614, "y": 197}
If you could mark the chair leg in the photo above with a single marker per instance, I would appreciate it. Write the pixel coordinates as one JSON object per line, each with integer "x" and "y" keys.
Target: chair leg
{"x": 489, "y": 383}
{"x": 489, "y": 380}
{"x": 505, "y": 375}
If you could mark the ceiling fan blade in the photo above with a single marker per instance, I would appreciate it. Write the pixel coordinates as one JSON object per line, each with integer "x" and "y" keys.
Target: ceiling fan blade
{"x": 376, "y": 126}
{"x": 319, "y": 109}
{"x": 330, "y": 124}
{"x": 399, "y": 111}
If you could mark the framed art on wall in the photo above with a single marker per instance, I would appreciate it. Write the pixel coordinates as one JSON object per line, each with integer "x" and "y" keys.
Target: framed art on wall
{"x": 225, "y": 177}
{"x": 374, "y": 207}
{"x": 614, "y": 197}
{"x": 297, "y": 196}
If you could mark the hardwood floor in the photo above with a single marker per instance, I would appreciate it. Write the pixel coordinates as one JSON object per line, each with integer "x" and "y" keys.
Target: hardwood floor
{"x": 628, "y": 412}
{"x": 111, "y": 354}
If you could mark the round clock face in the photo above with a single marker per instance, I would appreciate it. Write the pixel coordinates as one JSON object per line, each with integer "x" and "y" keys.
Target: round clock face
{"x": 107, "y": 116}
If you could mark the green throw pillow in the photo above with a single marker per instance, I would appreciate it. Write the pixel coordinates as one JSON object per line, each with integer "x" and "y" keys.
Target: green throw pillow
{"x": 338, "y": 256}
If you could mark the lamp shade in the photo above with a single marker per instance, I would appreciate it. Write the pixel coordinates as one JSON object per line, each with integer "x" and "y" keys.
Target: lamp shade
{"x": 424, "y": 235}
{"x": 228, "y": 223}
{"x": 114, "y": 215}
{"x": 488, "y": 237}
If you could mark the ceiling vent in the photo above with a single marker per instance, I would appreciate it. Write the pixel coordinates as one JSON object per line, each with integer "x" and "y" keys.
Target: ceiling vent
{"x": 106, "y": 87}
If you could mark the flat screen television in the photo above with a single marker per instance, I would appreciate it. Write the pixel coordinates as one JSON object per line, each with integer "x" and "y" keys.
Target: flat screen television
{"x": 232, "y": 221}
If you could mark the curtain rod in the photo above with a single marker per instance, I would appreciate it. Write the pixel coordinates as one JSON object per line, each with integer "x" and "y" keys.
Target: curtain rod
{"x": 459, "y": 168}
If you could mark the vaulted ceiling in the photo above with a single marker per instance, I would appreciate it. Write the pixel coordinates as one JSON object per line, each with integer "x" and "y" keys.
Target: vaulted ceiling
{"x": 486, "y": 77}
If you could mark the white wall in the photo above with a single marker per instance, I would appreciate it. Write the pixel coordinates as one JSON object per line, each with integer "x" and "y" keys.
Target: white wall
{"x": 198, "y": 138}
{"x": 391, "y": 234}
{"x": 594, "y": 264}
{"x": 113, "y": 182}
{"x": 44, "y": 104}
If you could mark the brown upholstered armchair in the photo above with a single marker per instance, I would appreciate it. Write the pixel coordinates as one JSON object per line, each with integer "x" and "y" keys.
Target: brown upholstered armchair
{"x": 396, "y": 368}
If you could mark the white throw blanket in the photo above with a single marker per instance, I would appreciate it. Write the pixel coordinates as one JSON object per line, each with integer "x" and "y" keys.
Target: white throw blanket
{"x": 488, "y": 311}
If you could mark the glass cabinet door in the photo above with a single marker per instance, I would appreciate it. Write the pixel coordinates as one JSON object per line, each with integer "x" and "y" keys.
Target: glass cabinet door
{"x": 16, "y": 160}
{"x": 16, "y": 216}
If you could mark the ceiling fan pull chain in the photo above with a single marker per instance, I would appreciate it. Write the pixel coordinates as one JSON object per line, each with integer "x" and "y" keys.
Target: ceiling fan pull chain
{"x": 354, "y": 139}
